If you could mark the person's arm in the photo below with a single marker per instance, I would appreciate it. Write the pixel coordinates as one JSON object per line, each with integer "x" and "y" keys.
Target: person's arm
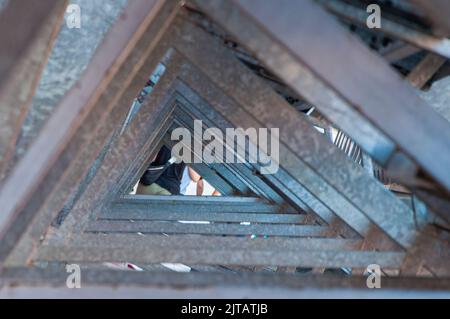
{"x": 195, "y": 177}
{"x": 200, "y": 187}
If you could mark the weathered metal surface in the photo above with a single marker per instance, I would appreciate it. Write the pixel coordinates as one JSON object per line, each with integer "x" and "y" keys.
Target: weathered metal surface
{"x": 438, "y": 97}
{"x": 437, "y": 11}
{"x": 170, "y": 227}
{"x": 192, "y": 213}
{"x": 437, "y": 45}
{"x": 359, "y": 76}
{"x": 73, "y": 49}
{"x": 314, "y": 158}
{"x": 299, "y": 215}
{"x": 203, "y": 204}
{"x": 52, "y": 153}
{"x": 128, "y": 154}
{"x": 214, "y": 256}
{"x": 22, "y": 282}
{"x": 398, "y": 51}
{"x": 423, "y": 72}
{"x": 192, "y": 241}
{"x": 23, "y": 56}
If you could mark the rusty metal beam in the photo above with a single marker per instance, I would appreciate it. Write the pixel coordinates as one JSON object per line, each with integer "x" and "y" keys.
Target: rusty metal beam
{"x": 25, "y": 51}
{"x": 437, "y": 12}
{"x": 216, "y": 228}
{"x": 82, "y": 112}
{"x": 424, "y": 71}
{"x": 196, "y": 249}
{"x": 437, "y": 45}
{"x": 23, "y": 282}
{"x": 296, "y": 133}
{"x": 359, "y": 77}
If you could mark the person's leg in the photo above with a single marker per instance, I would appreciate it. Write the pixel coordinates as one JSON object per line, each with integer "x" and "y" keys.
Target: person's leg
{"x": 153, "y": 189}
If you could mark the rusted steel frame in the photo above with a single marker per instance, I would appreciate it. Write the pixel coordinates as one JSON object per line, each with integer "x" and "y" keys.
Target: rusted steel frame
{"x": 141, "y": 161}
{"x": 305, "y": 82}
{"x": 361, "y": 79}
{"x": 205, "y": 200}
{"x": 60, "y": 150}
{"x": 224, "y": 171}
{"x": 97, "y": 197}
{"x": 216, "y": 228}
{"x": 196, "y": 249}
{"x": 434, "y": 44}
{"x": 437, "y": 11}
{"x": 398, "y": 51}
{"x": 431, "y": 252}
{"x": 163, "y": 212}
{"x": 294, "y": 193}
{"x": 87, "y": 205}
{"x": 179, "y": 203}
{"x": 35, "y": 282}
{"x": 191, "y": 241}
{"x": 299, "y": 174}
{"x": 17, "y": 44}
{"x": 128, "y": 154}
{"x": 423, "y": 71}
{"x": 186, "y": 113}
{"x": 436, "y": 203}
{"x": 215, "y": 256}
{"x": 206, "y": 107}
{"x": 275, "y": 104}
{"x": 217, "y": 181}
{"x": 332, "y": 220}
{"x": 231, "y": 180}
{"x": 25, "y": 51}
{"x": 238, "y": 175}
{"x": 386, "y": 211}
{"x": 296, "y": 132}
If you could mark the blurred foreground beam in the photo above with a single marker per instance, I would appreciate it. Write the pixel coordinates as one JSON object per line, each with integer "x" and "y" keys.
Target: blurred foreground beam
{"x": 28, "y": 30}
{"x": 29, "y": 283}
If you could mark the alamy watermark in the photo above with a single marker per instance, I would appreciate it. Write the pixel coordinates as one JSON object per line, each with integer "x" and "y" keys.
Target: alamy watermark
{"x": 74, "y": 278}
{"x": 374, "y": 276}
{"x": 373, "y": 21}
{"x": 256, "y": 146}
{"x": 73, "y": 16}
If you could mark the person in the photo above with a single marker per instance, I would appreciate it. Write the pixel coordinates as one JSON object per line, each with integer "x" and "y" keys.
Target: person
{"x": 163, "y": 176}
{"x": 194, "y": 184}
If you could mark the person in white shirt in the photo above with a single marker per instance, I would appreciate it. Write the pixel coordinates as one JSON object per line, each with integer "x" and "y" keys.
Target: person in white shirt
{"x": 193, "y": 184}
